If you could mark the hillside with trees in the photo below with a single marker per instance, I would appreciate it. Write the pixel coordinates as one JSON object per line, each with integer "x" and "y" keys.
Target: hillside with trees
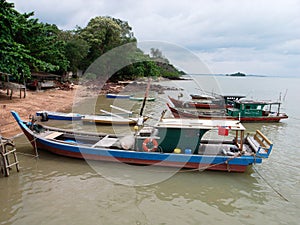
{"x": 28, "y": 45}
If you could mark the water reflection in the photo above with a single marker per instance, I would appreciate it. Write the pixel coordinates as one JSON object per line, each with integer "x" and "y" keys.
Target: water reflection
{"x": 224, "y": 191}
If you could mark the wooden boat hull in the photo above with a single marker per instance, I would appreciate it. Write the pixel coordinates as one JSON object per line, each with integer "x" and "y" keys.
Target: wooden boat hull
{"x": 195, "y": 104}
{"x": 177, "y": 113}
{"x": 263, "y": 119}
{"x": 143, "y": 158}
{"x": 117, "y": 96}
{"x": 202, "y": 97}
{"x": 59, "y": 115}
{"x": 192, "y": 161}
{"x": 141, "y": 99}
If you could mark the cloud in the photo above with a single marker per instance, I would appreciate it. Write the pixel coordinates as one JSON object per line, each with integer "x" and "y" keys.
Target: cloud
{"x": 229, "y": 33}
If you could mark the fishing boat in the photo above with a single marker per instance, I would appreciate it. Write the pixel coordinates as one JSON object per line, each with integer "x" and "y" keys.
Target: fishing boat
{"x": 211, "y": 104}
{"x": 218, "y": 102}
{"x": 256, "y": 111}
{"x": 202, "y": 96}
{"x": 110, "y": 95}
{"x": 45, "y": 115}
{"x": 195, "y": 114}
{"x": 171, "y": 142}
{"x": 245, "y": 111}
{"x": 149, "y": 99}
{"x": 230, "y": 99}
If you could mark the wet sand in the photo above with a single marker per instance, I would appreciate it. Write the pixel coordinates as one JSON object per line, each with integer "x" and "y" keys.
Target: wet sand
{"x": 51, "y": 100}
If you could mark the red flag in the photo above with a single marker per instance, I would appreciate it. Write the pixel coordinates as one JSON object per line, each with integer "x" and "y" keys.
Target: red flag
{"x": 223, "y": 131}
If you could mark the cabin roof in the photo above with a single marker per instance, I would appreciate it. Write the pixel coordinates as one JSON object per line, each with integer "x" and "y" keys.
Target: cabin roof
{"x": 233, "y": 96}
{"x": 254, "y": 102}
{"x": 210, "y": 124}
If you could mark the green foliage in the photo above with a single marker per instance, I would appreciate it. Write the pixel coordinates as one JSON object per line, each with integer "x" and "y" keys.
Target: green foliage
{"x": 28, "y": 45}
{"x": 76, "y": 50}
{"x": 103, "y": 34}
{"x": 12, "y": 54}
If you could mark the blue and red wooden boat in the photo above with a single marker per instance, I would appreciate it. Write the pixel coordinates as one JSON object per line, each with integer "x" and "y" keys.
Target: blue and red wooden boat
{"x": 171, "y": 142}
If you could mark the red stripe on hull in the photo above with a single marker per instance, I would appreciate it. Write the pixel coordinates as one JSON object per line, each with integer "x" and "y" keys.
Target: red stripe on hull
{"x": 262, "y": 119}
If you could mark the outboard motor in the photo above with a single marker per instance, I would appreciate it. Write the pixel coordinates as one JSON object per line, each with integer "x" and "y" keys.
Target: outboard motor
{"x": 44, "y": 116}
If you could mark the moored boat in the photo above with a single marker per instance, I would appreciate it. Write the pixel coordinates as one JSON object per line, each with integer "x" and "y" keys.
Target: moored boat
{"x": 45, "y": 115}
{"x": 110, "y": 95}
{"x": 256, "y": 111}
{"x": 211, "y": 104}
{"x": 149, "y": 99}
{"x": 245, "y": 111}
{"x": 202, "y": 96}
{"x": 171, "y": 142}
{"x": 182, "y": 113}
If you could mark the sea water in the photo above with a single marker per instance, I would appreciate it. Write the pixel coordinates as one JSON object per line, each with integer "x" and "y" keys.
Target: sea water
{"x": 57, "y": 190}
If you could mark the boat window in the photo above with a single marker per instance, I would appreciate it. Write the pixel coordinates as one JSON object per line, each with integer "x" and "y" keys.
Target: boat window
{"x": 248, "y": 107}
{"x": 259, "y": 107}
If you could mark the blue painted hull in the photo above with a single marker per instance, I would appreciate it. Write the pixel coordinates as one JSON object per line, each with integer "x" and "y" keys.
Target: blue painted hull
{"x": 61, "y": 116}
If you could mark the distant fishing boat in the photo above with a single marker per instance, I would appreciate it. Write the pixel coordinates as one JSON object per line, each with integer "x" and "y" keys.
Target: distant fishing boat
{"x": 202, "y": 96}
{"x": 171, "y": 143}
{"x": 220, "y": 102}
{"x": 149, "y": 99}
{"x": 256, "y": 111}
{"x": 244, "y": 110}
{"x": 182, "y": 113}
{"x": 198, "y": 104}
{"x": 117, "y": 96}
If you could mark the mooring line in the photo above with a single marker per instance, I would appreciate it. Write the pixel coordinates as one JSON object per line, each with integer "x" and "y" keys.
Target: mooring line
{"x": 277, "y": 192}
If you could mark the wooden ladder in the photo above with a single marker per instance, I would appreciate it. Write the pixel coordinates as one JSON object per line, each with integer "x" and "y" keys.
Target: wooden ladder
{"x": 7, "y": 148}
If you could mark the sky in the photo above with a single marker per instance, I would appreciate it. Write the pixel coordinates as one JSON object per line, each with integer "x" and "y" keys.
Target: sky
{"x": 259, "y": 37}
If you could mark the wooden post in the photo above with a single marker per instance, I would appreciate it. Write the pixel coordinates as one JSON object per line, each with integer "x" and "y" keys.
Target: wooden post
{"x": 241, "y": 141}
{"x": 236, "y": 137}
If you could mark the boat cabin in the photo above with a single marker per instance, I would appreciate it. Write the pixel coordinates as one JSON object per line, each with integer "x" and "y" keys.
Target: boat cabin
{"x": 230, "y": 99}
{"x": 186, "y": 134}
{"x": 250, "y": 108}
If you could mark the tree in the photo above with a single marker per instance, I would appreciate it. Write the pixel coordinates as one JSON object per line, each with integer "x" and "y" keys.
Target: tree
{"x": 13, "y": 55}
{"x": 76, "y": 50}
{"x": 27, "y": 44}
{"x": 103, "y": 34}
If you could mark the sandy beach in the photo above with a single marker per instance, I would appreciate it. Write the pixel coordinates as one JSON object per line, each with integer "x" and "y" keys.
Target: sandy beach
{"x": 51, "y": 100}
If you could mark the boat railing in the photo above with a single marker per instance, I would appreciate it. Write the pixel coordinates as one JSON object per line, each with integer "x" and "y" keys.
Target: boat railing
{"x": 260, "y": 144}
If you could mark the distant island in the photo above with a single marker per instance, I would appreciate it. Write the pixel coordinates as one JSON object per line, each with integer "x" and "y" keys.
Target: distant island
{"x": 238, "y": 74}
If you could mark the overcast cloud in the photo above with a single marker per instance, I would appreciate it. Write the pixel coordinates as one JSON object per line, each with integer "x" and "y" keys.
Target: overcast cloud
{"x": 251, "y": 36}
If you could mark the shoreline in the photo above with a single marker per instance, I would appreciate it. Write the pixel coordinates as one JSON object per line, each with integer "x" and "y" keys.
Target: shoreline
{"x": 50, "y": 100}
{"x": 58, "y": 100}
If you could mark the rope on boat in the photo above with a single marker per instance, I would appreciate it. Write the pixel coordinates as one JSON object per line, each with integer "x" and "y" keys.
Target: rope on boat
{"x": 276, "y": 191}
{"x": 26, "y": 154}
{"x": 36, "y": 155}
